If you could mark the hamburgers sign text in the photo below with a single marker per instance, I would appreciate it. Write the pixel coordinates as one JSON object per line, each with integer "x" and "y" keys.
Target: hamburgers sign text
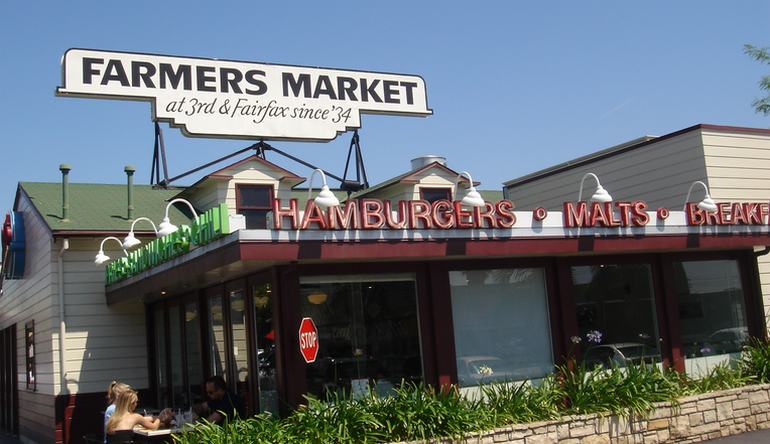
{"x": 376, "y": 214}
{"x": 221, "y": 98}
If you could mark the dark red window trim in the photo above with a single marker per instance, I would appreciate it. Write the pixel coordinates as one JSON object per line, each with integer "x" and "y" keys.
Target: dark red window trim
{"x": 448, "y": 192}
{"x": 239, "y": 207}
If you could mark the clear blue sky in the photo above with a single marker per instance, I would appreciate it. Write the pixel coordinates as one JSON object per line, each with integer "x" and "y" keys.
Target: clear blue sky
{"x": 515, "y": 86}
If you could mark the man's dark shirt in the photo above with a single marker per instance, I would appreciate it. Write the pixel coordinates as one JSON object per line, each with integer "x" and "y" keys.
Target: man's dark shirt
{"x": 230, "y": 404}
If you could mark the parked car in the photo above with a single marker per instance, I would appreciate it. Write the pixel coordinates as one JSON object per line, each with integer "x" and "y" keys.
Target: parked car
{"x": 472, "y": 370}
{"x": 620, "y": 354}
{"x": 727, "y": 340}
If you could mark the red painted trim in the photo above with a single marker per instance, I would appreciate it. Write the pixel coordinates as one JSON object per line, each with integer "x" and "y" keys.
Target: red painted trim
{"x": 566, "y": 301}
{"x": 445, "y": 353}
{"x": 281, "y": 251}
{"x": 660, "y": 297}
{"x": 258, "y": 159}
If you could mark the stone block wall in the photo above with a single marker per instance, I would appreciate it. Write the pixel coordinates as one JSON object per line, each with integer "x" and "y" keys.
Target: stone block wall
{"x": 692, "y": 419}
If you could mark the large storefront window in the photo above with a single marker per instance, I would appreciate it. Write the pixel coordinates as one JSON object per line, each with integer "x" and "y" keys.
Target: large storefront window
{"x": 159, "y": 327}
{"x": 240, "y": 347}
{"x": 615, "y": 307}
{"x": 262, "y": 295}
{"x": 712, "y": 313}
{"x": 179, "y": 367}
{"x": 178, "y": 390}
{"x": 368, "y": 332}
{"x": 501, "y": 325}
{"x": 217, "y": 345}
{"x": 192, "y": 338}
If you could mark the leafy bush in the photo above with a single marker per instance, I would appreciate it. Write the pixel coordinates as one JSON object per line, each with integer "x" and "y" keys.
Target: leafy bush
{"x": 419, "y": 412}
{"x": 626, "y": 391}
{"x": 755, "y": 360}
{"x": 517, "y": 402}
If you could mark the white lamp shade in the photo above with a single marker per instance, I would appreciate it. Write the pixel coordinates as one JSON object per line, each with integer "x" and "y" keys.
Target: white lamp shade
{"x": 601, "y": 195}
{"x": 130, "y": 241}
{"x": 708, "y": 204}
{"x": 473, "y": 198}
{"x": 166, "y": 228}
{"x": 325, "y": 199}
{"x": 101, "y": 258}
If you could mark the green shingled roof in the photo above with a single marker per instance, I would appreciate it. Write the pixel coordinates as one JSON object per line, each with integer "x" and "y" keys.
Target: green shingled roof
{"x": 101, "y": 206}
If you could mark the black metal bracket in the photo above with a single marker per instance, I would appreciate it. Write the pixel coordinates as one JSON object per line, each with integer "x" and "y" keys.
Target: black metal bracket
{"x": 355, "y": 185}
{"x": 158, "y": 157}
{"x": 260, "y": 148}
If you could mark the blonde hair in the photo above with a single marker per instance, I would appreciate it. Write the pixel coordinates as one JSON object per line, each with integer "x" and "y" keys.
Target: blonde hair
{"x": 124, "y": 405}
{"x": 114, "y": 389}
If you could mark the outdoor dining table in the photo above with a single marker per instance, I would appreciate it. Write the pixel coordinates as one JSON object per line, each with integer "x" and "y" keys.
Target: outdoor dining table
{"x": 144, "y": 435}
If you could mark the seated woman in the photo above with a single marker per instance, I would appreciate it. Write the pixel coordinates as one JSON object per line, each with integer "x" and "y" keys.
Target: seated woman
{"x": 120, "y": 427}
{"x": 113, "y": 391}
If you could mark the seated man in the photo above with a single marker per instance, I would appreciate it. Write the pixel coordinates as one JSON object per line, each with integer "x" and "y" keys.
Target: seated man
{"x": 221, "y": 402}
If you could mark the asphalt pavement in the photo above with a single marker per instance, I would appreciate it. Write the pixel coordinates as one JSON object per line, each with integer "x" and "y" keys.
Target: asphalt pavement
{"x": 755, "y": 437}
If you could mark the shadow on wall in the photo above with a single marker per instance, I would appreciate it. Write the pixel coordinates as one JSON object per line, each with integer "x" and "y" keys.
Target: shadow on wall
{"x": 103, "y": 344}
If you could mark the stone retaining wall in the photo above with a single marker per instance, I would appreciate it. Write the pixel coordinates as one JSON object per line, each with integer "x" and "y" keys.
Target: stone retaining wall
{"x": 694, "y": 419}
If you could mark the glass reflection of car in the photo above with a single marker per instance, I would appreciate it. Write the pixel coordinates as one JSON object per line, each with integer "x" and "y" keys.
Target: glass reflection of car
{"x": 726, "y": 340}
{"x": 619, "y": 354}
{"x": 473, "y": 370}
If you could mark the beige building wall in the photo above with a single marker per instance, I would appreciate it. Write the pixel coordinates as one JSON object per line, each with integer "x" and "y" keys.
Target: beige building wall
{"x": 103, "y": 342}
{"x": 30, "y": 299}
{"x": 738, "y": 167}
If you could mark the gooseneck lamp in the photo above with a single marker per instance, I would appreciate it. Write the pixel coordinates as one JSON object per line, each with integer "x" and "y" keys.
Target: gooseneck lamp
{"x": 130, "y": 240}
{"x": 166, "y": 227}
{"x": 325, "y": 198}
{"x": 600, "y": 195}
{"x": 472, "y": 197}
{"x": 707, "y": 204}
{"x": 100, "y": 256}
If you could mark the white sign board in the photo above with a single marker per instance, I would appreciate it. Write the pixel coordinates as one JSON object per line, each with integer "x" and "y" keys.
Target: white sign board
{"x": 222, "y": 98}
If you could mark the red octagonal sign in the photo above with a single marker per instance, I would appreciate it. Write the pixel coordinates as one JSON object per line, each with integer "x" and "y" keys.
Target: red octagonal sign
{"x": 308, "y": 340}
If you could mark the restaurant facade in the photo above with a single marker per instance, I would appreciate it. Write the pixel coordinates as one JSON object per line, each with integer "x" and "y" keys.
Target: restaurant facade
{"x": 287, "y": 292}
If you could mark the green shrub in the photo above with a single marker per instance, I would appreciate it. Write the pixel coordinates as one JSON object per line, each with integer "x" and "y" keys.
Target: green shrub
{"x": 416, "y": 412}
{"x": 517, "y": 402}
{"x": 755, "y": 360}
{"x": 337, "y": 419}
{"x": 262, "y": 428}
{"x": 626, "y": 391}
{"x": 419, "y": 412}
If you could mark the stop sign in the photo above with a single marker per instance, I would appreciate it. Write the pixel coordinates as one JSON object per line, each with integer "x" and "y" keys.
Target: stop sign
{"x": 308, "y": 340}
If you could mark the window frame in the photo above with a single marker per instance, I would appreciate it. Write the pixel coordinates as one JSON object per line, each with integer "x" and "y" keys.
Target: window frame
{"x": 30, "y": 366}
{"x": 436, "y": 189}
{"x": 238, "y": 198}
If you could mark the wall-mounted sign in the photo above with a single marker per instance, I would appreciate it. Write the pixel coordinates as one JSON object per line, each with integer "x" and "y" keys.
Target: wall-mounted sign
{"x": 14, "y": 245}
{"x": 375, "y": 214}
{"x": 625, "y": 214}
{"x": 308, "y": 340}
{"x": 209, "y": 226}
{"x": 222, "y": 98}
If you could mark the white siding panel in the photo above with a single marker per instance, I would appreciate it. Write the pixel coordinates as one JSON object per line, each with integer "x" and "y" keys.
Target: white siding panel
{"x": 103, "y": 342}
{"x": 738, "y": 167}
{"x": 30, "y": 299}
